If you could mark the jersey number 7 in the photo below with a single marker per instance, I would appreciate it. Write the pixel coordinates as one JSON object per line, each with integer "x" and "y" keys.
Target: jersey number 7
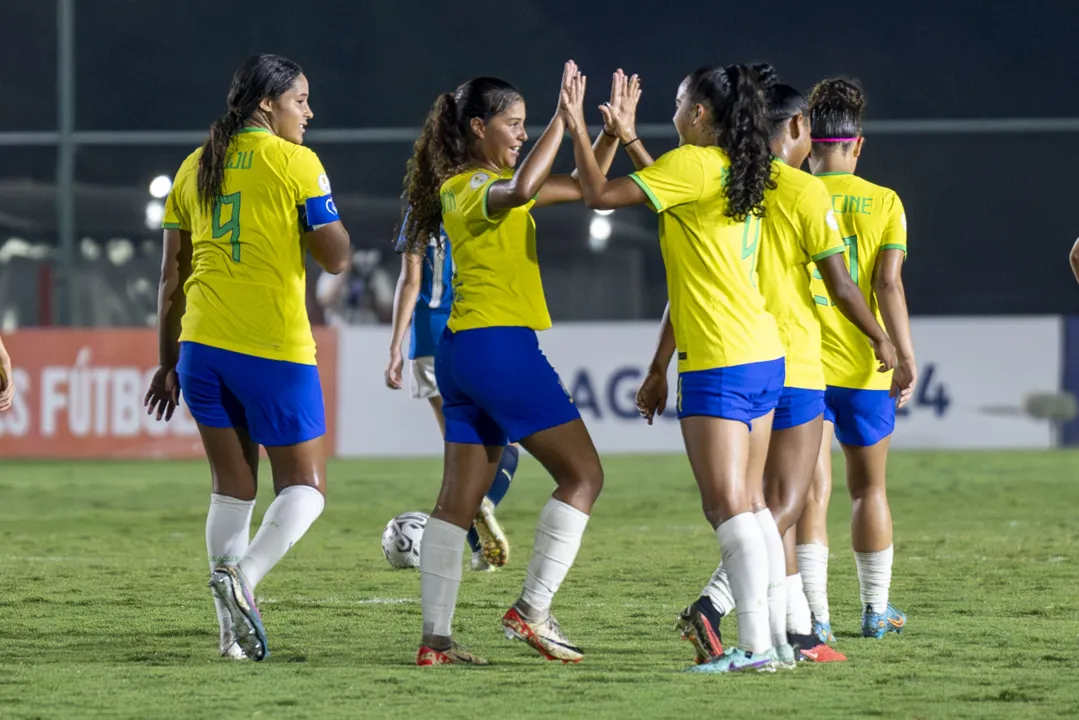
{"x": 232, "y": 227}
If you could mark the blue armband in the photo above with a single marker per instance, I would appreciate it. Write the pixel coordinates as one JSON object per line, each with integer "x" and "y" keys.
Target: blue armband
{"x": 318, "y": 211}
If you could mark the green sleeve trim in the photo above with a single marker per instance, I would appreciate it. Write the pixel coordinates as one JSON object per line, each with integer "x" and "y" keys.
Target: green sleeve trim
{"x": 894, "y": 246}
{"x": 170, "y": 226}
{"x": 820, "y": 300}
{"x": 829, "y": 253}
{"x": 485, "y": 191}
{"x": 656, "y": 204}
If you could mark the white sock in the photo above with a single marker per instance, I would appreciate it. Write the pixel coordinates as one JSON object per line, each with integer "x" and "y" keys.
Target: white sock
{"x": 799, "y": 621}
{"x": 558, "y": 538}
{"x": 228, "y": 524}
{"x": 742, "y": 545}
{"x": 289, "y": 516}
{"x": 441, "y": 552}
{"x": 813, "y": 566}
{"x": 718, "y": 590}
{"x": 777, "y": 576}
{"x": 875, "y": 578}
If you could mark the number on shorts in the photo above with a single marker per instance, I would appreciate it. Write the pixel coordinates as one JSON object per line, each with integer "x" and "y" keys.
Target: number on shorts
{"x": 232, "y": 227}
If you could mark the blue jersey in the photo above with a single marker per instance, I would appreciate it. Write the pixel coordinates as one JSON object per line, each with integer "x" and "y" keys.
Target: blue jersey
{"x": 436, "y": 295}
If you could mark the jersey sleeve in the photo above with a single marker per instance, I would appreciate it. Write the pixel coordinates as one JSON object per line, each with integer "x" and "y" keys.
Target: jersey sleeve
{"x": 676, "y": 178}
{"x": 310, "y": 189}
{"x": 176, "y": 216}
{"x": 400, "y": 245}
{"x": 894, "y": 236}
{"x": 470, "y": 200}
{"x": 819, "y": 226}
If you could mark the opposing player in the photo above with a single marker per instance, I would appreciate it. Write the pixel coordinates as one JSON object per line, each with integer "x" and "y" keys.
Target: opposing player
{"x": 7, "y": 379}
{"x": 495, "y": 382}
{"x": 422, "y": 301}
{"x": 799, "y": 229}
{"x": 709, "y": 194}
{"x": 233, "y": 332}
{"x": 860, "y": 402}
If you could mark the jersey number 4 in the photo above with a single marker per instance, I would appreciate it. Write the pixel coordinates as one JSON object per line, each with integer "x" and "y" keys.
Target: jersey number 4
{"x": 232, "y": 226}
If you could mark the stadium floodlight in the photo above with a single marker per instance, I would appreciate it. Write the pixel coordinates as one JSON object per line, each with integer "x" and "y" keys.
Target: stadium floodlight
{"x": 604, "y": 213}
{"x": 599, "y": 233}
{"x": 160, "y": 186}
{"x": 155, "y": 211}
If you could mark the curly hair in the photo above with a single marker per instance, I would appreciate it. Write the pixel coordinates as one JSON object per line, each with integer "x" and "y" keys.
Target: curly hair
{"x": 735, "y": 95}
{"x": 836, "y": 106}
{"x": 443, "y": 149}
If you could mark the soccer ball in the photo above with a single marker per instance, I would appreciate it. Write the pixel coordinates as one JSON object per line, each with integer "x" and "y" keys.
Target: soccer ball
{"x": 401, "y": 540}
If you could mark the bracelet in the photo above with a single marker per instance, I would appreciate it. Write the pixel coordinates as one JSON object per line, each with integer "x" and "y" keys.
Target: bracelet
{"x": 610, "y": 135}
{"x": 626, "y": 145}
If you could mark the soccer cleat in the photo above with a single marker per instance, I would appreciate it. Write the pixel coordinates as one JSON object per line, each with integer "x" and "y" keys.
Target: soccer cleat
{"x": 233, "y": 651}
{"x": 427, "y": 656}
{"x": 877, "y": 625}
{"x": 480, "y": 564}
{"x": 823, "y": 632}
{"x": 699, "y": 624}
{"x": 786, "y": 657}
{"x": 496, "y": 548}
{"x": 737, "y": 660}
{"x": 228, "y": 585}
{"x": 546, "y": 637}
{"x": 821, "y": 654}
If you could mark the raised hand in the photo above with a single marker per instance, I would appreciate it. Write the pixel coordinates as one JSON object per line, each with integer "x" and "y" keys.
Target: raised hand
{"x": 620, "y": 112}
{"x": 571, "y": 98}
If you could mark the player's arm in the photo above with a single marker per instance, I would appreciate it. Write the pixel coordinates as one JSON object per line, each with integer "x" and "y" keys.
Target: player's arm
{"x": 849, "y": 300}
{"x": 652, "y": 395}
{"x": 1073, "y": 258}
{"x": 404, "y": 304}
{"x": 892, "y": 301}
{"x": 330, "y": 246}
{"x": 567, "y": 188}
{"x": 171, "y": 300}
{"x": 7, "y": 378}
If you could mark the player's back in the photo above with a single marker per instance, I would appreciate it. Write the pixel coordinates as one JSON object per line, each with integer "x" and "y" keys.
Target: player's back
{"x": 247, "y": 289}
{"x": 798, "y": 227}
{"x": 871, "y": 219}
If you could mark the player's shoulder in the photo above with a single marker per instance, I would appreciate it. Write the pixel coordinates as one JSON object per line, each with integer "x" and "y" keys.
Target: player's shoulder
{"x": 870, "y": 188}
{"x": 190, "y": 164}
{"x": 468, "y": 180}
{"x": 798, "y": 181}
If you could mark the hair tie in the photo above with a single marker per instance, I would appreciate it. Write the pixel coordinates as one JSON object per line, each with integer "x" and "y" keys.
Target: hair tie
{"x": 835, "y": 140}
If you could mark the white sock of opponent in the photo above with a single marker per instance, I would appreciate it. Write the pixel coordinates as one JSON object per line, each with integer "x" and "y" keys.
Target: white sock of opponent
{"x": 228, "y": 525}
{"x": 289, "y": 516}
{"x": 441, "y": 551}
{"x": 558, "y": 538}
{"x": 813, "y": 566}
{"x": 718, "y": 590}
{"x": 742, "y": 545}
{"x": 777, "y": 576}
{"x": 875, "y": 578}
{"x": 799, "y": 621}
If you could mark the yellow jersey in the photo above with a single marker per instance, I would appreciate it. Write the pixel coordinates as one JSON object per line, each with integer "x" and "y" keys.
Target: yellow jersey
{"x": 717, "y": 310}
{"x": 871, "y": 219}
{"x": 248, "y": 288}
{"x": 798, "y": 228}
{"x": 496, "y": 278}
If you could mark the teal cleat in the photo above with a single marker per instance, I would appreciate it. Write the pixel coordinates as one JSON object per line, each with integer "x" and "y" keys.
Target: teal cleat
{"x": 823, "y": 632}
{"x": 228, "y": 585}
{"x": 737, "y": 660}
{"x": 877, "y": 625}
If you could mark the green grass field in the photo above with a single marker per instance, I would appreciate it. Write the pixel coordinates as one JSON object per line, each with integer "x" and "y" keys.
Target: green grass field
{"x": 104, "y": 609}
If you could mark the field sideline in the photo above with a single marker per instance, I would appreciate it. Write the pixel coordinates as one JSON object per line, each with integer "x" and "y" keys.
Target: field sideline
{"x": 105, "y": 610}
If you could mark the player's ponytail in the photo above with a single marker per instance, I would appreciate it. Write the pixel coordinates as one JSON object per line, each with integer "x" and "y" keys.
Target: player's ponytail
{"x": 444, "y": 148}
{"x": 735, "y": 96}
{"x": 836, "y": 106}
{"x": 261, "y": 76}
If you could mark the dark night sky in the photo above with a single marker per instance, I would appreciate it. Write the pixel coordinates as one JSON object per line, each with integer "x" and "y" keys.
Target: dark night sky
{"x": 992, "y": 207}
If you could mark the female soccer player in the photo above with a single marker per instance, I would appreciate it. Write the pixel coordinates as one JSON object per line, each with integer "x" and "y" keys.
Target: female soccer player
{"x": 495, "y": 382}
{"x": 234, "y": 336}
{"x": 7, "y": 379}
{"x": 799, "y": 228}
{"x": 860, "y": 402}
{"x": 709, "y": 194}
{"x": 423, "y": 299}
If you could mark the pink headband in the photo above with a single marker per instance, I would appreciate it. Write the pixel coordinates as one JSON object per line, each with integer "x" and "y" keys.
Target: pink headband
{"x": 834, "y": 140}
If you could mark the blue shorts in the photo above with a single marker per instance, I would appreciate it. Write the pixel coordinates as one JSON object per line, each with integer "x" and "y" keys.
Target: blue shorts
{"x": 427, "y": 328}
{"x": 797, "y": 406}
{"x": 738, "y": 392}
{"x": 277, "y": 402}
{"x": 497, "y": 385}
{"x": 862, "y": 417}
